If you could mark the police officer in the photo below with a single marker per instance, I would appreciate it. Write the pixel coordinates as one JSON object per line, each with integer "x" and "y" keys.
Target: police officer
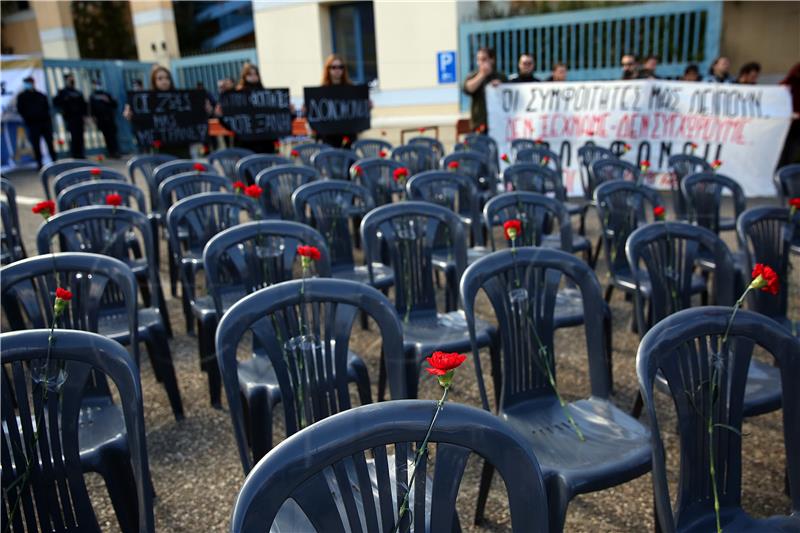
{"x": 103, "y": 107}
{"x": 32, "y": 106}
{"x": 70, "y": 103}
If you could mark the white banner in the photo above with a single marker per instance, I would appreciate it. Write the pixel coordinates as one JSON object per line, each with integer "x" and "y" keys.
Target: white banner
{"x": 743, "y": 126}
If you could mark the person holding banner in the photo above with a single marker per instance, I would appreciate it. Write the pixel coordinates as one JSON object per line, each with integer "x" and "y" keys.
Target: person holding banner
{"x": 475, "y": 87}
{"x": 250, "y": 80}
{"x": 32, "y": 106}
{"x": 719, "y": 72}
{"x": 334, "y": 72}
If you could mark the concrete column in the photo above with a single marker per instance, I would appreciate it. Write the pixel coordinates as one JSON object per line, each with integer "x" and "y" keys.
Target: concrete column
{"x": 56, "y": 31}
{"x": 154, "y": 29}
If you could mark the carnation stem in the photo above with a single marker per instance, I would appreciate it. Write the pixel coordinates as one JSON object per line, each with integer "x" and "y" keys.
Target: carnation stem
{"x": 422, "y": 449}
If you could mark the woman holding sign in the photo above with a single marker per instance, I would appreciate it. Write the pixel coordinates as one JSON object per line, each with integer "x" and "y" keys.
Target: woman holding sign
{"x": 250, "y": 80}
{"x": 335, "y": 73}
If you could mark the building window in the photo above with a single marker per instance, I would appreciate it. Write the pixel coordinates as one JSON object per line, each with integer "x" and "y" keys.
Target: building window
{"x": 353, "y": 33}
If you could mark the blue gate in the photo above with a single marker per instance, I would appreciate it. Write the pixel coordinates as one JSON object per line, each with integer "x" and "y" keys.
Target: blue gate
{"x": 592, "y": 41}
{"x": 117, "y": 78}
{"x": 209, "y": 68}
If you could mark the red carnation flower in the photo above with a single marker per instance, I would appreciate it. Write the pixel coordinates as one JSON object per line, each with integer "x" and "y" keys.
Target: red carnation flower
{"x": 157, "y": 144}
{"x": 512, "y": 229}
{"x": 545, "y": 160}
{"x": 356, "y": 170}
{"x": 95, "y": 171}
{"x": 505, "y": 158}
{"x": 46, "y": 208}
{"x": 253, "y": 191}
{"x": 794, "y": 202}
{"x": 294, "y": 153}
{"x": 114, "y": 200}
{"x": 345, "y": 140}
{"x": 452, "y": 165}
{"x": 310, "y": 252}
{"x": 659, "y": 212}
{"x": 199, "y": 167}
{"x": 383, "y": 153}
{"x": 100, "y": 157}
{"x": 442, "y": 363}
{"x": 765, "y": 279}
{"x": 539, "y": 141}
{"x": 277, "y": 145}
{"x": 60, "y": 142}
{"x": 627, "y": 147}
{"x": 239, "y": 186}
{"x": 716, "y": 164}
{"x": 644, "y": 165}
{"x": 63, "y": 294}
{"x": 422, "y": 130}
{"x": 400, "y": 173}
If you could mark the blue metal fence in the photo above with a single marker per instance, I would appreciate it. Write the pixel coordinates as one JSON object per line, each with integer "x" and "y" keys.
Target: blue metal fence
{"x": 209, "y": 68}
{"x": 592, "y": 41}
{"x": 117, "y": 78}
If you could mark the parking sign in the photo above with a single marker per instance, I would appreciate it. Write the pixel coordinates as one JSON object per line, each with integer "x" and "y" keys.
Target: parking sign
{"x": 446, "y": 65}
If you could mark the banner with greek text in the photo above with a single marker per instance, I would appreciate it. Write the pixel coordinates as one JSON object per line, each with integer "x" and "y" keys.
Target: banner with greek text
{"x": 743, "y": 126}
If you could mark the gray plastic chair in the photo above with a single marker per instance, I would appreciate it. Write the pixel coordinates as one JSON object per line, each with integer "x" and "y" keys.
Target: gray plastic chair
{"x": 417, "y": 157}
{"x": 430, "y": 143}
{"x": 54, "y": 168}
{"x": 278, "y": 184}
{"x": 334, "y": 163}
{"x": 249, "y": 166}
{"x": 365, "y": 148}
{"x": 225, "y": 160}
{"x": 681, "y": 166}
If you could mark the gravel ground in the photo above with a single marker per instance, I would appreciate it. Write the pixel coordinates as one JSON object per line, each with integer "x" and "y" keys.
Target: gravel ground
{"x": 196, "y": 470}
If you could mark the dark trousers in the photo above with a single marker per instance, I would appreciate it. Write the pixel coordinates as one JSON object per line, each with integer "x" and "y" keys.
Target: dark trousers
{"x": 75, "y": 128}
{"x": 109, "y": 129}
{"x": 35, "y": 133}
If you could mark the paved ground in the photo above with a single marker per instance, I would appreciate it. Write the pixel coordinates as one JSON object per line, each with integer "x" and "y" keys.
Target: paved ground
{"x": 196, "y": 469}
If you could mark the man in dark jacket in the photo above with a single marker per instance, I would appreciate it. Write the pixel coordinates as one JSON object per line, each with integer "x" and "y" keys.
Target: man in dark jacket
{"x": 103, "y": 108}
{"x": 32, "y": 106}
{"x": 70, "y": 103}
{"x": 524, "y": 70}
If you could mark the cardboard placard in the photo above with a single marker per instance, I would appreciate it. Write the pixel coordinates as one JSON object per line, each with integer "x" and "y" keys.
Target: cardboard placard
{"x": 338, "y": 109}
{"x": 257, "y": 114}
{"x": 172, "y": 117}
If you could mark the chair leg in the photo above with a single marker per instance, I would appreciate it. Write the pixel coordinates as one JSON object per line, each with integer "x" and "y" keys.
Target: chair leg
{"x": 357, "y": 373}
{"x": 208, "y": 361}
{"x": 364, "y": 321}
{"x": 161, "y": 356}
{"x": 187, "y": 311}
{"x": 382, "y": 378}
{"x": 497, "y": 374}
{"x": 173, "y": 271}
{"x": 118, "y": 476}
{"x": 597, "y": 247}
{"x": 557, "y": 502}
{"x": 638, "y": 404}
{"x": 609, "y": 292}
{"x": 260, "y": 422}
{"x": 609, "y": 332}
{"x": 483, "y": 491}
{"x": 162, "y": 309}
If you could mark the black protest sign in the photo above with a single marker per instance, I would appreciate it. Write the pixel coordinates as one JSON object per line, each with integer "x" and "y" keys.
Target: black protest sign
{"x": 338, "y": 109}
{"x": 257, "y": 115}
{"x": 171, "y": 117}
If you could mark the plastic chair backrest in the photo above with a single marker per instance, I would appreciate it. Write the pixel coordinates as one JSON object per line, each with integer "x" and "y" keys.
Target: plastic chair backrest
{"x": 622, "y": 206}
{"x": 364, "y": 148}
{"x": 84, "y": 174}
{"x": 169, "y": 169}
{"x": 451, "y": 190}
{"x": 537, "y": 155}
{"x": 536, "y": 213}
{"x": 334, "y": 163}
{"x": 377, "y": 175}
{"x": 473, "y": 164}
{"x": 411, "y": 230}
{"x": 681, "y": 166}
{"x": 226, "y": 159}
{"x": 13, "y": 247}
{"x": 249, "y": 166}
{"x": 328, "y": 206}
{"x": 668, "y": 252}
{"x": 686, "y": 349}
{"x": 278, "y": 184}
{"x": 787, "y": 180}
{"x": 765, "y": 234}
{"x": 534, "y": 177}
{"x": 521, "y": 286}
{"x": 416, "y": 157}
{"x": 304, "y": 329}
{"x": 146, "y": 164}
{"x": 615, "y": 169}
{"x": 254, "y": 255}
{"x": 307, "y": 151}
{"x": 522, "y": 144}
{"x": 91, "y": 193}
{"x": 53, "y": 169}
{"x": 180, "y": 186}
{"x": 430, "y": 143}
{"x": 340, "y": 445}
{"x": 702, "y": 194}
{"x": 45, "y": 498}
{"x": 587, "y": 155}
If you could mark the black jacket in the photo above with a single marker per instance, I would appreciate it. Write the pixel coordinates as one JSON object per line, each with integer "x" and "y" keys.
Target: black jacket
{"x": 70, "y": 103}
{"x": 33, "y": 107}
{"x": 102, "y": 105}
{"x": 524, "y": 78}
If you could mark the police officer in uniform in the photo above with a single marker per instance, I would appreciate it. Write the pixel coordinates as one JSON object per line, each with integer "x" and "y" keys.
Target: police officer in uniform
{"x": 103, "y": 107}
{"x": 70, "y": 103}
{"x": 32, "y": 106}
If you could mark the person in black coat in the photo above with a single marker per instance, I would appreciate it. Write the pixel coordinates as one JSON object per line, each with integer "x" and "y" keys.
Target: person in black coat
{"x": 103, "y": 107}
{"x": 70, "y": 103}
{"x": 34, "y": 109}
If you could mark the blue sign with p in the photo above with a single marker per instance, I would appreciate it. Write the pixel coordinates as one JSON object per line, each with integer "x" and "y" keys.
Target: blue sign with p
{"x": 446, "y": 66}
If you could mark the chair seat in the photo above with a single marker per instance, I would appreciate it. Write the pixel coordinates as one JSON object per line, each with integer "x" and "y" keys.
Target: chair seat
{"x": 616, "y": 449}
{"x": 740, "y": 522}
{"x": 383, "y": 275}
{"x": 574, "y": 208}
{"x": 569, "y": 308}
{"x": 441, "y": 260}
{"x": 727, "y": 223}
{"x": 446, "y": 332}
{"x": 115, "y": 326}
{"x": 579, "y": 242}
{"x": 100, "y": 427}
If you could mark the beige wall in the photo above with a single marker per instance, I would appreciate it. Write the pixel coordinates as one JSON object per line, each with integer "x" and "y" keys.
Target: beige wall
{"x": 56, "y": 31}
{"x": 154, "y": 24}
{"x": 767, "y": 32}
{"x": 21, "y": 34}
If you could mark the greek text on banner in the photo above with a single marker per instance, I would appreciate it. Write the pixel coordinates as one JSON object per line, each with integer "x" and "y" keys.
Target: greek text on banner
{"x": 744, "y": 126}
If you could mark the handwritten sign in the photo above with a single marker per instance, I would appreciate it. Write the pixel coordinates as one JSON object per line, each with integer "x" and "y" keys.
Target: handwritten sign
{"x": 257, "y": 115}
{"x": 743, "y": 126}
{"x": 172, "y": 117}
{"x": 337, "y": 109}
